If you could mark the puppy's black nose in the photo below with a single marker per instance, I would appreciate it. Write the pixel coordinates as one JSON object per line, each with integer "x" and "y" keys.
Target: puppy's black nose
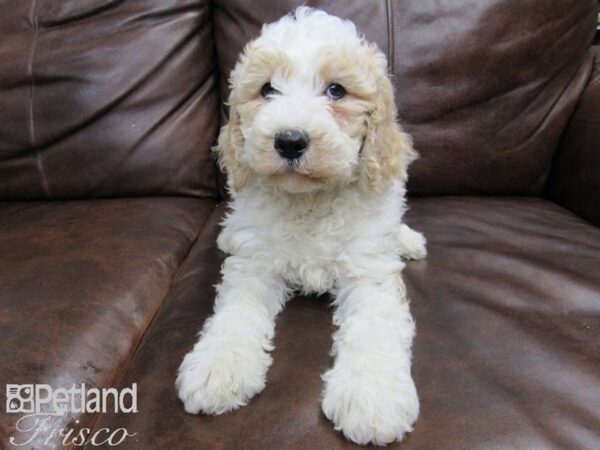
{"x": 291, "y": 144}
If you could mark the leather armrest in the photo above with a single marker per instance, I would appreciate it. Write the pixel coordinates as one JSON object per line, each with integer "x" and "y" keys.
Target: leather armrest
{"x": 575, "y": 177}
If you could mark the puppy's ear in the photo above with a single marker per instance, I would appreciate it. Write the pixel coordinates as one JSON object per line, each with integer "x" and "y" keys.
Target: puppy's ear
{"x": 228, "y": 150}
{"x": 387, "y": 150}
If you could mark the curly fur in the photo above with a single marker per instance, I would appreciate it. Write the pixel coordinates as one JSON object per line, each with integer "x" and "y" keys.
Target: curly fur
{"x": 330, "y": 223}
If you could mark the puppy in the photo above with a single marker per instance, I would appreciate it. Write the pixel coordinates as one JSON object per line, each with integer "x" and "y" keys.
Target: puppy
{"x": 316, "y": 167}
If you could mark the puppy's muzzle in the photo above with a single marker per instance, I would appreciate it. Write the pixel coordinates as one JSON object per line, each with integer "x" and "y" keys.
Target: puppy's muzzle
{"x": 291, "y": 144}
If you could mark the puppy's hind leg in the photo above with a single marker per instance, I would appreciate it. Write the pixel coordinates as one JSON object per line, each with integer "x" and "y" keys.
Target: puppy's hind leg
{"x": 229, "y": 364}
{"x": 413, "y": 244}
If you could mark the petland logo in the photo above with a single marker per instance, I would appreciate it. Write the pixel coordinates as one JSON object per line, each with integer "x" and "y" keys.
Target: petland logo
{"x": 39, "y": 401}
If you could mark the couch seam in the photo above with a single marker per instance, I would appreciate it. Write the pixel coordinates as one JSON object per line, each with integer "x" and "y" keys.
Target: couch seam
{"x": 117, "y": 379}
{"x": 572, "y": 118}
{"x": 31, "y": 113}
{"x": 390, "y": 35}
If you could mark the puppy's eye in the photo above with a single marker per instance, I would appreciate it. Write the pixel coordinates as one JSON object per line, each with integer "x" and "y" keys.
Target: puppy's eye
{"x": 335, "y": 91}
{"x": 267, "y": 90}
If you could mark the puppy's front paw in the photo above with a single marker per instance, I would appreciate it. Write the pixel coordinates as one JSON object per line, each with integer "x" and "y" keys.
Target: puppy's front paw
{"x": 216, "y": 381}
{"x": 368, "y": 408}
{"x": 413, "y": 244}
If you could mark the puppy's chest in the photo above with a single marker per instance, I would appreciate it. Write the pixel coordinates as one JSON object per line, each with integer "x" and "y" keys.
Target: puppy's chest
{"x": 313, "y": 261}
{"x": 310, "y": 256}
{"x": 308, "y": 251}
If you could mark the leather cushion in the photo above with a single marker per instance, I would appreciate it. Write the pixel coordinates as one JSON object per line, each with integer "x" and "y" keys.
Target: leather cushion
{"x": 79, "y": 284}
{"x": 484, "y": 87}
{"x": 103, "y": 99}
{"x": 506, "y": 355}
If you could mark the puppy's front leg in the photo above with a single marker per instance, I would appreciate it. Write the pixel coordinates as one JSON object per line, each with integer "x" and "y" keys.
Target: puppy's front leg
{"x": 369, "y": 393}
{"x": 229, "y": 364}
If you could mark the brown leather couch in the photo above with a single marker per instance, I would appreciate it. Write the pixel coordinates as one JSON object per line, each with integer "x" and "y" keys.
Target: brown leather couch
{"x": 110, "y": 205}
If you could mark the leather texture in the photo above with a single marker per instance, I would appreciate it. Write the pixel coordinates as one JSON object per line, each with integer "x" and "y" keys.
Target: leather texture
{"x": 485, "y": 87}
{"x": 80, "y": 282}
{"x": 104, "y": 99}
{"x": 575, "y": 179}
{"x": 507, "y": 353}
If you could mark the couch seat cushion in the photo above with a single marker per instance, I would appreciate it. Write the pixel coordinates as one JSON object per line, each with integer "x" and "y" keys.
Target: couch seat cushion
{"x": 507, "y": 353}
{"x": 80, "y": 281}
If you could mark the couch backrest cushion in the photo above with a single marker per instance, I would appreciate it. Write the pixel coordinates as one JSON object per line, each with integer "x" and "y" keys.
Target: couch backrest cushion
{"x": 484, "y": 86}
{"x": 104, "y": 98}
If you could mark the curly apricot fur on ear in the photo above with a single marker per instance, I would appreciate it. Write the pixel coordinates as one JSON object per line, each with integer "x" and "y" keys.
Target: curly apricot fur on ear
{"x": 388, "y": 150}
{"x": 228, "y": 150}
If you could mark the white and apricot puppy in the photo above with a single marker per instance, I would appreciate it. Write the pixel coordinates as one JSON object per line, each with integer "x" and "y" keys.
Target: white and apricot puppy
{"x": 316, "y": 167}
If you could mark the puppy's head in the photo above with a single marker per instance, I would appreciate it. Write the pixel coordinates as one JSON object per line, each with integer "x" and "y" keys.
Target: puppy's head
{"x": 311, "y": 106}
